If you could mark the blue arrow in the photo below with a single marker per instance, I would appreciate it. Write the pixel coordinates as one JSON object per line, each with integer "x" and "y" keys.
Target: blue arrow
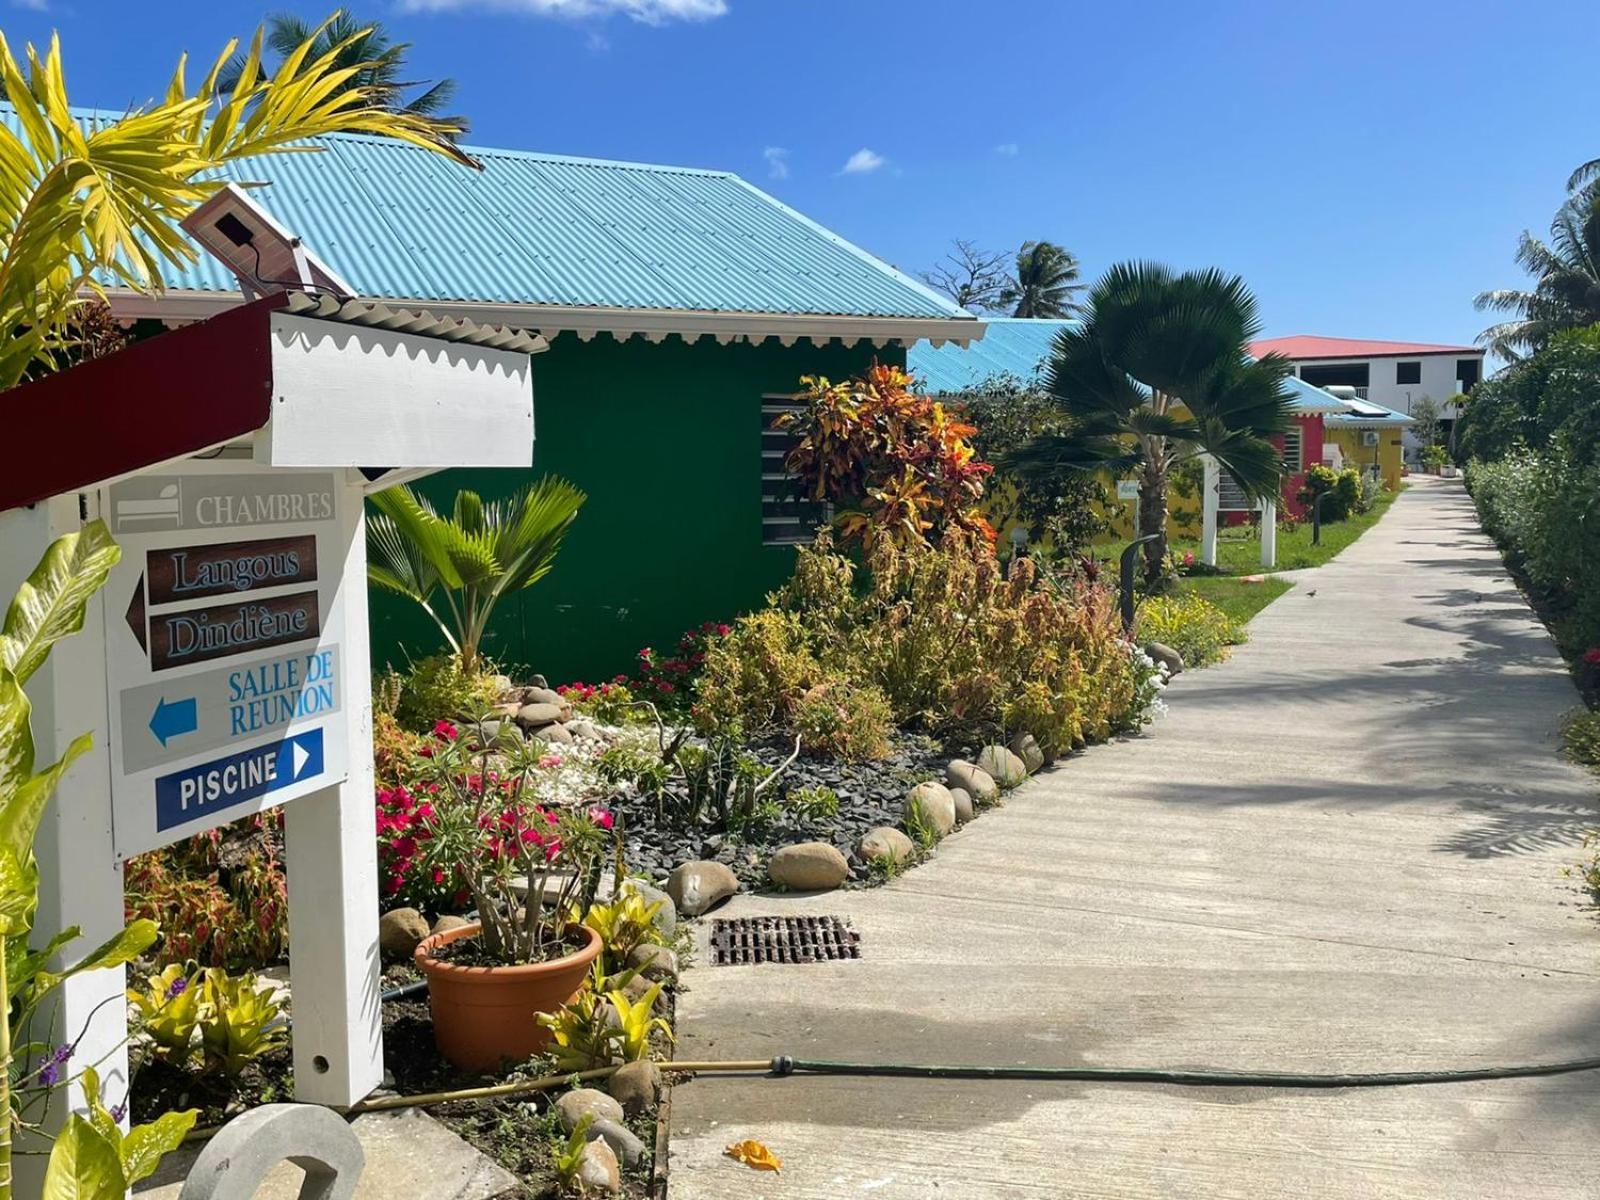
{"x": 171, "y": 719}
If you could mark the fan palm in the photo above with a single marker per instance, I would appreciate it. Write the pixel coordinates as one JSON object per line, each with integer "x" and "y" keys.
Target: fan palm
{"x": 1046, "y": 283}
{"x": 86, "y": 202}
{"x": 1566, "y": 292}
{"x": 470, "y": 560}
{"x": 377, "y": 62}
{"x": 1157, "y": 374}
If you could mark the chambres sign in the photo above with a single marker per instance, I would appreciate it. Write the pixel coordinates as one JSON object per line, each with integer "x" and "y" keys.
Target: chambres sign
{"x": 223, "y": 643}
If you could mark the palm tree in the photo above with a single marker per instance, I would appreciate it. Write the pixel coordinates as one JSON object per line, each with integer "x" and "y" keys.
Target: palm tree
{"x": 475, "y": 557}
{"x": 1046, "y": 283}
{"x": 1159, "y": 373}
{"x": 82, "y": 204}
{"x": 377, "y": 65}
{"x": 1566, "y": 291}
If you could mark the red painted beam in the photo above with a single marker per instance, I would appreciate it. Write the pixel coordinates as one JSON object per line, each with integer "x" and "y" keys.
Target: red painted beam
{"x": 160, "y": 399}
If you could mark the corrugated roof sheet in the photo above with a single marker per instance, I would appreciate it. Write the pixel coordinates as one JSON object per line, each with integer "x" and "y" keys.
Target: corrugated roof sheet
{"x": 1365, "y": 412}
{"x": 1019, "y": 346}
{"x": 1312, "y": 345}
{"x": 537, "y": 229}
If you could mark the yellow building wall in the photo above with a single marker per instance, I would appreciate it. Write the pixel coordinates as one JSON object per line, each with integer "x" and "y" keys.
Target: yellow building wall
{"x": 1388, "y": 452}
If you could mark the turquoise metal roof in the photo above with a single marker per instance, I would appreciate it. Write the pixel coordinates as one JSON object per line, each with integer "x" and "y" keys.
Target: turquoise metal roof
{"x": 1365, "y": 412}
{"x": 538, "y": 229}
{"x": 1018, "y": 347}
{"x": 1014, "y": 347}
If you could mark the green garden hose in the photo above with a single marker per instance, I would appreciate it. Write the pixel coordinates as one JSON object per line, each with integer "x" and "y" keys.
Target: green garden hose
{"x": 782, "y": 1065}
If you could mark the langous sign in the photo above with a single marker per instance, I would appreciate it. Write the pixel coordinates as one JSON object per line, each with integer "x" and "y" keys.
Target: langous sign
{"x": 224, "y": 629}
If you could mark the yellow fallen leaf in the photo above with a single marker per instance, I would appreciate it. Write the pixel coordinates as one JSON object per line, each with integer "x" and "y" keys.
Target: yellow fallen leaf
{"x": 754, "y": 1155}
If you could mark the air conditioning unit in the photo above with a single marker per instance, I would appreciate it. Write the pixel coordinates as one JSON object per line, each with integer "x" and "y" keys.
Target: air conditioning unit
{"x": 1369, "y": 437}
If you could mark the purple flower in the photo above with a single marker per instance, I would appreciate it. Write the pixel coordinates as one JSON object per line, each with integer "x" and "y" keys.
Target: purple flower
{"x": 62, "y": 1053}
{"x": 177, "y": 987}
{"x": 50, "y": 1074}
{"x": 118, "y": 1111}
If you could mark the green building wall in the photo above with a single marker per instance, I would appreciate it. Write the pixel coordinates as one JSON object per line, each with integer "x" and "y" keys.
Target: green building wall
{"x": 666, "y": 441}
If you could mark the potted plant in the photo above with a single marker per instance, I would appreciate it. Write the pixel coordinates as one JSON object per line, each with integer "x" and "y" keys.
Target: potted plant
{"x": 531, "y": 871}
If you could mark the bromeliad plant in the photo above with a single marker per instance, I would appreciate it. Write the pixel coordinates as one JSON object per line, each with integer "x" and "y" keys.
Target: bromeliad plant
{"x": 472, "y": 559}
{"x": 531, "y": 871}
{"x": 232, "y": 1020}
{"x": 88, "y": 1159}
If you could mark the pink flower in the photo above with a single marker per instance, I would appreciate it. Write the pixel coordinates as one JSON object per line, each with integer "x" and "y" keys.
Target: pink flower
{"x": 550, "y": 760}
{"x": 445, "y": 730}
{"x": 602, "y": 818}
{"x": 1592, "y": 656}
{"x": 1188, "y": 558}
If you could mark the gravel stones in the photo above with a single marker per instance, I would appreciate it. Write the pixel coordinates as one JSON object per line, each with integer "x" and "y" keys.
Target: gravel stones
{"x": 809, "y": 867}
{"x": 696, "y": 886}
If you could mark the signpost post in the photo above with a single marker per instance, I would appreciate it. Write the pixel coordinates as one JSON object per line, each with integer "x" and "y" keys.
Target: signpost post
{"x": 224, "y": 668}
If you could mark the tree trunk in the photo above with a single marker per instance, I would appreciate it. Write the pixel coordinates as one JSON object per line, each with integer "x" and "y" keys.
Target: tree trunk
{"x": 1153, "y": 519}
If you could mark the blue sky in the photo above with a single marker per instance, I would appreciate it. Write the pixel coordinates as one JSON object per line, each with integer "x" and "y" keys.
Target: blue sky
{"x": 1365, "y": 166}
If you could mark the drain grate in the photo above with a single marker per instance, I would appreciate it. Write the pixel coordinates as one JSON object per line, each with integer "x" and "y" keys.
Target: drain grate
{"x": 748, "y": 940}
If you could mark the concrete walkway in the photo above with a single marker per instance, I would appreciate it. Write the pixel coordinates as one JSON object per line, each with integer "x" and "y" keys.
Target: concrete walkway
{"x": 1341, "y": 851}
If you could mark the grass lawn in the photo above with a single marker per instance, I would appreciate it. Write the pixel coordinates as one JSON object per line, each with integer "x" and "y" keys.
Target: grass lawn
{"x": 1232, "y": 595}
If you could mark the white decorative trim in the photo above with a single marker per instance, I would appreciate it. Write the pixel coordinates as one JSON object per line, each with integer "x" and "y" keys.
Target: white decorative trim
{"x": 173, "y": 308}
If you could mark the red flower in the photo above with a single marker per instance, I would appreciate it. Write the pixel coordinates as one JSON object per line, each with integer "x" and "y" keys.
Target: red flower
{"x": 602, "y": 818}
{"x": 445, "y": 730}
{"x": 1592, "y": 656}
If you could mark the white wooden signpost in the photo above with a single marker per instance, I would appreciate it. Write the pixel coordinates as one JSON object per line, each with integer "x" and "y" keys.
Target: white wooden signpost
{"x": 224, "y": 669}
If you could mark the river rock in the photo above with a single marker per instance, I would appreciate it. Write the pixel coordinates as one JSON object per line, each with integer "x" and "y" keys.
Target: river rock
{"x": 544, "y": 695}
{"x": 635, "y": 1086}
{"x": 1005, "y": 767}
{"x": 655, "y": 963}
{"x": 935, "y": 804}
{"x": 885, "y": 842}
{"x": 963, "y": 799}
{"x": 666, "y": 918}
{"x": 1026, "y": 747}
{"x": 624, "y": 1144}
{"x": 533, "y": 716}
{"x": 973, "y": 780}
{"x": 578, "y": 727}
{"x": 448, "y": 922}
{"x": 696, "y": 886}
{"x": 1165, "y": 656}
{"x": 599, "y": 1170}
{"x": 555, "y": 733}
{"x": 400, "y": 932}
{"x": 579, "y": 1103}
{"x": 808, "y": 867}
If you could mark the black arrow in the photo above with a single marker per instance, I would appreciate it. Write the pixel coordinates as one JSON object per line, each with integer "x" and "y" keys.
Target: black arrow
{"x": 136, "y": 614}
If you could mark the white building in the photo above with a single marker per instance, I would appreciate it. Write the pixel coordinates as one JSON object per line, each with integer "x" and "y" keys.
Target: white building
{"x": 1393, "y": 374}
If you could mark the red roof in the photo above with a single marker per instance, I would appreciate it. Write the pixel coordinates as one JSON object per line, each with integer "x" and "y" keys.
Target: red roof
{"x": 1309, "y": 345}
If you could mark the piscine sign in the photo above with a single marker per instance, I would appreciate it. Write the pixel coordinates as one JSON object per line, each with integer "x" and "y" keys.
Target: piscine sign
{"x": 228, "y": 695}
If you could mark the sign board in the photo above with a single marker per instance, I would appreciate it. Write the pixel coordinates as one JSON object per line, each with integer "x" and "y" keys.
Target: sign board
{"x": 1127, "y": 489}
{"x": 223, "y": 646}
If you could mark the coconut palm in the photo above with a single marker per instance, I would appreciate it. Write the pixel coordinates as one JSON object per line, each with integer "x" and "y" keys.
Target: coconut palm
{"x": 1157, "y": 374}
{"x": 1046, "y": 283}
{"x": 81, "y": 204}
{"x": 470, "y": 560}
{"x": 1566, "y": 291}
{"x": 376, "y": 62}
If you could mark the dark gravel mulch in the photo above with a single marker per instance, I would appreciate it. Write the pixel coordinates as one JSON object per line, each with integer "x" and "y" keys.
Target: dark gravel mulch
{"x": 870, "y": 794}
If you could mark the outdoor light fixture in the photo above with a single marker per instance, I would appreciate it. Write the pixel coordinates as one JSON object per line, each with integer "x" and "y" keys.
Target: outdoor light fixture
{"x": 264, "y": 256}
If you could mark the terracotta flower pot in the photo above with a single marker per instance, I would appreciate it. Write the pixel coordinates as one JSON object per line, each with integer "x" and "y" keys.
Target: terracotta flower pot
{"x": 482, "y": 1015}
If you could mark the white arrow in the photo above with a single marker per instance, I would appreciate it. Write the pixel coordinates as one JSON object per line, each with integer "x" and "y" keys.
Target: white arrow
{"x": 301, "y": 756}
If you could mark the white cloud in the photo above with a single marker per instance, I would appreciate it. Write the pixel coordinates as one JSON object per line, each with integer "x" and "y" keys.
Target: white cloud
{"x": 1008, "y": 149}
{"x": 647, "y": 12}
{"x": 862, "y": 161}
{"x": 32, "y": 5}
{"x": 777, "y": 162}
{"x": 597, "y": 42}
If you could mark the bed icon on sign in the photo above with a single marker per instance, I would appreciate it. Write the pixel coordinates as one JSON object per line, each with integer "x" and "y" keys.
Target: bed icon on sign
{"x": 164, "y": 508}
